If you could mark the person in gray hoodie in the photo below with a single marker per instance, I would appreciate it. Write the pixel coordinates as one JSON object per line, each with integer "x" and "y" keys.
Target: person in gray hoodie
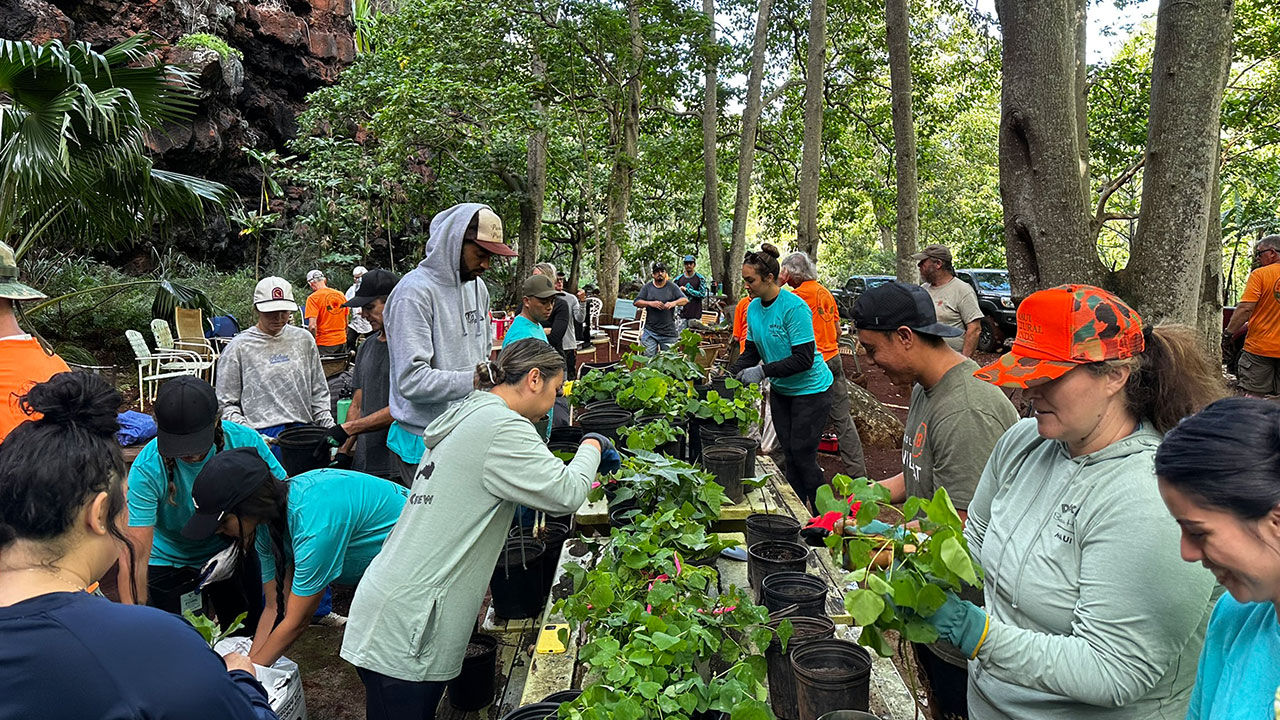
{"x": 414, "y": 610}
{"x": 437, "y": 323}
{"x": 1090, "y": 613}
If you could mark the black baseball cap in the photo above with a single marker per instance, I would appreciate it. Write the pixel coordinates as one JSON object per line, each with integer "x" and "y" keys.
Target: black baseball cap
{"x": 373, "y": 285}
{"x": 186, "y": 415}
{"x": 895, "y": 304}
{"x": 224, "y": 482}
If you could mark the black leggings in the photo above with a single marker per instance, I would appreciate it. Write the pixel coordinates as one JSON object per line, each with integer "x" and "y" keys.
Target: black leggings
{"x": 799, "y": 420}
{"x": 387, "y": 698}
{"x": 226, "y": 599}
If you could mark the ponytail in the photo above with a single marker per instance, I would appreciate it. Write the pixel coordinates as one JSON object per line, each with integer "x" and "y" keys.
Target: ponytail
{"x": 516, "y": 360}
{"x": 268, "y": 504}
{"x": 765, "y": 261}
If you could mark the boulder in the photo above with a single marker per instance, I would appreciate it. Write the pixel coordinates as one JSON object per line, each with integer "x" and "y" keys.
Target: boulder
{"x": 877, "y": 427}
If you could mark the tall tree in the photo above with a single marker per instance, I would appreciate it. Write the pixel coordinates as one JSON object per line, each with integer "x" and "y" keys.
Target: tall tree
{"x": 710, "y": 173}
{"x": 625, "y": 129}
{"x": 1189, "y": 72}
{"x": 811, "y": 156}
{"x": 897, "y": 23}
{"x": 747, "y": 147}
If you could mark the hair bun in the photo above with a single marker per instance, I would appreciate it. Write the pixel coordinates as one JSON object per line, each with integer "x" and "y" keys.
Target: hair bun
{"x": 769, "y": 249}
{"x": 75, "y": 398}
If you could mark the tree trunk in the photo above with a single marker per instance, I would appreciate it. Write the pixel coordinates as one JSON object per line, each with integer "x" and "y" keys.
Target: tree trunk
{"x": 1042, "y": 181}
{"x": 1165, "y": 275}
{"x": 622, "y": 174}
{"x": 897, "y": 23}
{"x": 1209, "y": 312}
{"x": 535, "y": 184}
{"x": 747, "y": 150}
{"x": 710, "y": 173}
{"x": 811, "y": 155}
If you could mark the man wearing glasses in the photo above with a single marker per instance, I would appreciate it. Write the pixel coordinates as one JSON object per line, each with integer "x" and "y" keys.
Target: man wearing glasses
{"x": 1259, "y": 306}
{"x": 954, "y": 301}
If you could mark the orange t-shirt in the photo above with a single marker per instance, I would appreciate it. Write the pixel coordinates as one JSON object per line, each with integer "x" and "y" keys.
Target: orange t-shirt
{"x": 23, "y": 363}
{"x": 325, "y": 306}
{"x": 1263, "y": 288}
{"x": 740, "y": 323}
{"x": 826, "y": 316}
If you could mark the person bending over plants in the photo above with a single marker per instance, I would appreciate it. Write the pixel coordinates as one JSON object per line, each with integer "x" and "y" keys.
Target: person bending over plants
{"x": 1089, "y": 611}
{"x": 780, "y": 346}
{"x": 413, "y": 613}
{"x": 322, "y": 526}
{"x": 68, "y": 653}
{"x": 1220, "y": 478}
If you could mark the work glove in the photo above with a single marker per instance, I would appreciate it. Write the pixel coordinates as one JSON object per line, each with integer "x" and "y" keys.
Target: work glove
{"x": 753, "y": 374}
{"x": 822, "y": 526}
{"x": 343, "y": 461}
{"x": 962, "y": 624}
{"x": 883, "y": 529}
{"x": 610, "y": 460}
{"x": 337, "y": 437}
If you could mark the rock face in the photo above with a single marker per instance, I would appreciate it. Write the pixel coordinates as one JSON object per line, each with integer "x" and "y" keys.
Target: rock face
{"x": 290, "y": 48}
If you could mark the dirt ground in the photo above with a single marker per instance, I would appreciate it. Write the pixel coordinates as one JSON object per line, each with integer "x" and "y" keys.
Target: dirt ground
{"x": 332, "y": 689}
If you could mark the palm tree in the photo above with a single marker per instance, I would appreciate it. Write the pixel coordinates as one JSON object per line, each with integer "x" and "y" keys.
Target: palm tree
{"x": 73, "y": 161}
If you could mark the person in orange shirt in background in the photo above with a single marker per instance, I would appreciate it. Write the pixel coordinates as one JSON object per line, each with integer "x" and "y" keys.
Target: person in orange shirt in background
{"x": 1259, "y": 369}
{"x": 740, "y": 321}
{"x": 799, "y": 272}
{"x": 326, "y": 314}
{"x": 23, "y": 360}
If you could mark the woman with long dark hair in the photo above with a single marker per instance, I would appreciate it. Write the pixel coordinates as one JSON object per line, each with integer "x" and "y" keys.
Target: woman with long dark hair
{"x": 781, "y": 346}
{"x": 322, "y": 526}
{"x": 66, "y": 652}
{"x": 1220, "y": 478}
{"x": 413, "y": 614}
{"x": 1090, "y": 614}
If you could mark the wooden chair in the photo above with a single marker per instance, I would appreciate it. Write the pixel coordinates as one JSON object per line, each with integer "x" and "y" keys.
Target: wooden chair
{"x": 159, "y": 365}
{"x": 710, "y": 317}
{"x": 189, "y": 322}
{"x": 200, "y": 347}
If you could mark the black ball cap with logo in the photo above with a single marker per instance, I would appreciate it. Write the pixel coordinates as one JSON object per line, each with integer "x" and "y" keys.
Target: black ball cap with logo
{"x": 224, "y": 482}
{"x": 186, "y": 414}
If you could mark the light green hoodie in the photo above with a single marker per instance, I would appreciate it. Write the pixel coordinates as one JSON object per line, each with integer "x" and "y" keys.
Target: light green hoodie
{"x": 414, "y": 609}
{"x": 1093, "y": 612}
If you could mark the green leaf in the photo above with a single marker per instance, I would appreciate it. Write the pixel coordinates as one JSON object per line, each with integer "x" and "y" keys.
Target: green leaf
{"x": 826, "y": 502}
{"x": 664, "y": 641}
{"x": 905, "y": 590}
{"x": 957, "y": 559}
{"x": 872, "y": 637}
{"x": 878, "y": 584}
{"x": 919, "y": 631}
{"x": 864, "y": 605}
{"x": 929, "y": 599}
{"x": 649, "y": 690}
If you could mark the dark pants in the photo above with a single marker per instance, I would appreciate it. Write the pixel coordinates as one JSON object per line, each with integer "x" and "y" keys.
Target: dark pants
{"x": 948, "y": 685}
{"x": 798, "y": 420}
{"x": 386, "y": 698}
{"x": 225, "y": 599}
{"x": 405, "y": 471}
{"x": 570, "y": 363}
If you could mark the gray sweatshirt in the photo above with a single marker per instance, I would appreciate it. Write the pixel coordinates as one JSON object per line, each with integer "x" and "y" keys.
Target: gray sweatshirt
{"x": 1094, "y": 615}
{"x": 416, "y": 604}
{"x": 266, "y": 380}
{"x": 438, "y": 327}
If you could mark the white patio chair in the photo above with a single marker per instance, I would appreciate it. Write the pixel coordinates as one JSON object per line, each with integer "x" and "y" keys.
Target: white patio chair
{"x": 159, "y": 365}
{"x": 630, "y": 331}
{"x": 201, "y": 348}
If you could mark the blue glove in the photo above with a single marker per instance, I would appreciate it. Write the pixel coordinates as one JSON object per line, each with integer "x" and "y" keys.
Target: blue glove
{"x": 884, "y": 529}
{"x": 753, "y": 374}
{"x": 962, "y": 624}
{"x": 610, "y": 460}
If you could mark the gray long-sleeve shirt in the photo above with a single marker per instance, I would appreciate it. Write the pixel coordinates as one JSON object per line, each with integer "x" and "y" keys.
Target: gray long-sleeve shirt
{"x": 266, "y": 380}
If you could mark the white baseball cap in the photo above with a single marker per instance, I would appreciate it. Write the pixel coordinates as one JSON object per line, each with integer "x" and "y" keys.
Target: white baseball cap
{"x": 274, "y": 294}
{"x": 359, "y": 271}
{"x": 314, "y": 275}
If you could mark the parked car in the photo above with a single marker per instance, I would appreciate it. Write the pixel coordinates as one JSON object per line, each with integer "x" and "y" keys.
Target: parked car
{"x": 995, "y": 298}
{"x": 853, "y": 287}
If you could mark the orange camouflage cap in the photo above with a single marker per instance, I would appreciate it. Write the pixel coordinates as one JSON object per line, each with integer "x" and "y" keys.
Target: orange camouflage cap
{"x": 1062, "y": 328}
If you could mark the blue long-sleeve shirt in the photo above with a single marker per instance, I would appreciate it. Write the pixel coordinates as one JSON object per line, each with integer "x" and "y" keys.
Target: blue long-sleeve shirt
{"x": 76, "y": 656}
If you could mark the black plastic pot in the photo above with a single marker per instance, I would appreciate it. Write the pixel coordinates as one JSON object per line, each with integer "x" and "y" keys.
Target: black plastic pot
{"x": 566, "y": 435}
{"x": 831, "y": 675}
{"x": 705, "y": 433}
{"x": 601, "y": 366}
{"x": 675, "y": 448}
{"x": 774, "y": 556}
{"x": 536, "y": 711}
{"x": 601, "y": 405}
{"x": 726, "y": 464}
{"x": 762, "y": 526}
{"x": 849, "y": 715}
{"x": 473, "y": 688}
{"x": 298, "y": 449}
{"x": 807, "y": 592}
{"x": 552, "y": 541}
{"x": 562, "y": 696}
{"x": 605, "y": 421}
{"x": 516, "y": 585}
{"x": 623, "y": 516}
{"x": 751, "y": 445}
{"x": 782, "y": 680}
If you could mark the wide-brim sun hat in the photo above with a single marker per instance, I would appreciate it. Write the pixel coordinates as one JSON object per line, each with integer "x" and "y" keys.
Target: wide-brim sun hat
{"x": 1062, "y": 328}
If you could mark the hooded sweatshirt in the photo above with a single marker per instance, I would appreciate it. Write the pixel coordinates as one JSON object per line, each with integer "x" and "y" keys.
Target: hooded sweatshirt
{"x": 1093, "y": 612}
{"x": 413, "y": 611}
{"x": 437, "y": 326}
{"x": 268, "y": 380}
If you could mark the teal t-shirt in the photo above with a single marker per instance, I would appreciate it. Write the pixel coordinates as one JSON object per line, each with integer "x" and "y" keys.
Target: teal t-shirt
{"x": 1239, "y": 668}
{"x": 775, "y": 329}
{"x": 338, "y": 520}
{"x": 151, "y": 503}
{"x": 405, "y": 444}
{"x": 521, "y": 328}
